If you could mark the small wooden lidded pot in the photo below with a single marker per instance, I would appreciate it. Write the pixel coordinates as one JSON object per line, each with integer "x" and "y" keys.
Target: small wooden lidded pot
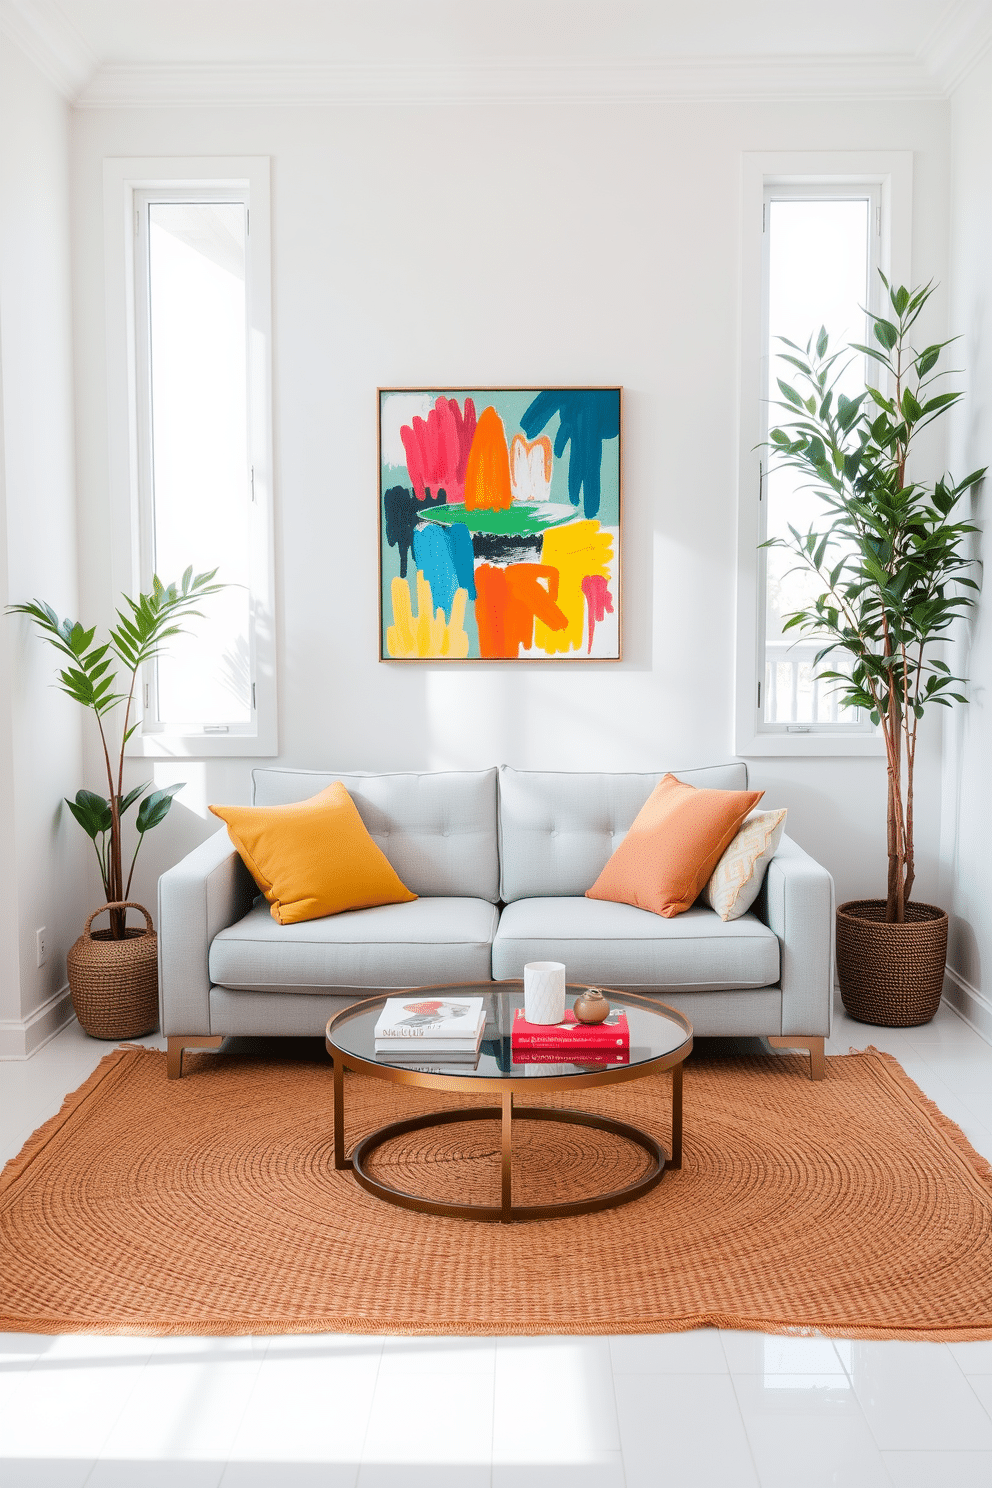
{"x": 591, "y": 1006}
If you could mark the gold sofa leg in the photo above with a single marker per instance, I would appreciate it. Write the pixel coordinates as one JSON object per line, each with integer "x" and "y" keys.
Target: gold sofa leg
{"x": 813, "y": 1046}
{"x": 174, "y": 1056}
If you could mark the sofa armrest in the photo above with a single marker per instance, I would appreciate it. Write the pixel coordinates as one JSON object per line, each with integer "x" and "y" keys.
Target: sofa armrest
{"x": 797, "y": 902}
{"x": 210, "y": 889}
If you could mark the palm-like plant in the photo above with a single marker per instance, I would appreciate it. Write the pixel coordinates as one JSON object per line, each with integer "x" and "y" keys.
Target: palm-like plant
{"x": 890, "y": 559}
{"x": 90, "y": 678}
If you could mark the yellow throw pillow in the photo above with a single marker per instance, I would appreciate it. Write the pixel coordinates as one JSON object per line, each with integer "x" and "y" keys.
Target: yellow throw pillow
{"x": 737, "y": 878}
{"x": 314, "y": 857}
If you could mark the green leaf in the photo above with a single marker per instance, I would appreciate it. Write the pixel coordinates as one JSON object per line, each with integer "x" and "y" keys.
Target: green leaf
{"x": 873, "y": 352}
{"x": 885, "y": 332}
{"x": 848, "y": 410}
{"x": 92, "y": 812}
{"x": 910, "y": 408}
{"x": 790, "y": 393}
{"x": 934, "y": 405}
{"x": 155, "y": 808}
{"x": 971, "y": 480}
{"x": 124, "y": 802}
{"x": 882, "y": 402}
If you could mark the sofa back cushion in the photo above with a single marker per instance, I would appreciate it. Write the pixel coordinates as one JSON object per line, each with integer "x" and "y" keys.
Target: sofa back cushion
{"x": 437, "y": 828}
{"x": 558, "y": 829}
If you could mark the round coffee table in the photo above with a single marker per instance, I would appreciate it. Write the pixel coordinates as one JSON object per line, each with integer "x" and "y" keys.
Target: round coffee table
{"x": 660, "y": 1039}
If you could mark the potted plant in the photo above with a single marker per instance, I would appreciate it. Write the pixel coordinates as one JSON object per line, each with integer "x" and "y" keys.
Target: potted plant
{"x": 113, "y": 975}
{"x": 890, "y": 558}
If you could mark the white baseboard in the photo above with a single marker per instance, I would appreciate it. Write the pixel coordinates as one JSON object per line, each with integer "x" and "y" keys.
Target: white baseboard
{"x": 22, "y": 1037}
{"x": 968, "y": 1003}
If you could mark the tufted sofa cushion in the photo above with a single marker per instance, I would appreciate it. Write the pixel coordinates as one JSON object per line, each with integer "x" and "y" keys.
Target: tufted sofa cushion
{"x": 437, "y": 829}
{"x": 395, "y": 945}
{"x": 617, "y": 945}
{"x": 558, "y": 829}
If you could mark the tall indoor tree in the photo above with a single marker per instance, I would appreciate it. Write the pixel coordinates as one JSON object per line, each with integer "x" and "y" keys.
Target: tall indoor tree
{"x": 89, "y": 677}
{"x": 890, "y": 554}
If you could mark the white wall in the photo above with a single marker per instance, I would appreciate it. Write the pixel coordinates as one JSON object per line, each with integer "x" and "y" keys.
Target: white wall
{"x": 40, "y": 750}
{"x": 967, "y": 812}
{"x": 524, "y": 244}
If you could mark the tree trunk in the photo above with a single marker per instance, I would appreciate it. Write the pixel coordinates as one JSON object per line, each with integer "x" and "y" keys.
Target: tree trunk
{"x": 895, "y": 825}
{"x": 892, "y": 888}
{"x": 910, "y": 874}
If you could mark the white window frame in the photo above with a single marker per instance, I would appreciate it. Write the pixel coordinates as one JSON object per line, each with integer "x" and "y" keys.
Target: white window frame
{"x": 890, "y": 174}
{"x": 128, "y": 185}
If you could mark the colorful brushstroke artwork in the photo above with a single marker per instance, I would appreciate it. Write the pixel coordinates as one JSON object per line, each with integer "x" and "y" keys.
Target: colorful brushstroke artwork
{"x": 499, "y": 524}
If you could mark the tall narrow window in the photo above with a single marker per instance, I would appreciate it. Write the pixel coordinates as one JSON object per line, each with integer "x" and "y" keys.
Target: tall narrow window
{"x": 201, "y": 454}
{"x": 820, "y": 259}
{"x": 197, "y": 457}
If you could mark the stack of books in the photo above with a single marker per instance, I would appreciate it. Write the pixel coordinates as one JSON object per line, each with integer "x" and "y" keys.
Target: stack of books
{"x": 571, "y": 1042}
{"x": 430, "y": 1030}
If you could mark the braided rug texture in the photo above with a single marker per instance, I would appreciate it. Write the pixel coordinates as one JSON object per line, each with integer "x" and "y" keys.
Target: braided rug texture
{"x": 211, "y": 1205}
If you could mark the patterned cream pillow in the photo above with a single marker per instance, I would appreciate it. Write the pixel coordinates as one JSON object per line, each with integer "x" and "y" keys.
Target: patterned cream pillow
{"x": 737, "y": 878}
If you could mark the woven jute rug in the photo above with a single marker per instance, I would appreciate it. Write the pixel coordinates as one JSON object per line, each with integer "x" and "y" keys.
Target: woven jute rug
{"x": 211, "y": 1205}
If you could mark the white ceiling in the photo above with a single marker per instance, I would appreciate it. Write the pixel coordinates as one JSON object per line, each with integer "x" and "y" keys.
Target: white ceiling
{"x": 114, "y": 51}
{"x": 156, "y": 31}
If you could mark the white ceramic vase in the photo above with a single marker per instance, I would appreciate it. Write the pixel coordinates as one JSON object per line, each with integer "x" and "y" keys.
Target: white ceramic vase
{"x": 544, "y": 992}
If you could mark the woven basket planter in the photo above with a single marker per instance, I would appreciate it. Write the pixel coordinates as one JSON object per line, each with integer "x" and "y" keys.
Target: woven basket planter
{"x": 891, "y": 975}
{"x": 114, "y": 983}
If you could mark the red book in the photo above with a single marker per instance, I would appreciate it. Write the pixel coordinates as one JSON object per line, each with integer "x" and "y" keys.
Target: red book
{"x": 571, "y": 1055}
{"x": 571, "y": 1034}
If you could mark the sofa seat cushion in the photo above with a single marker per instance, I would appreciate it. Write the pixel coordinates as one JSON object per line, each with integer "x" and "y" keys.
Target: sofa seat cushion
{"x": 394, "y": 945}
{"x": 617, "y": 945}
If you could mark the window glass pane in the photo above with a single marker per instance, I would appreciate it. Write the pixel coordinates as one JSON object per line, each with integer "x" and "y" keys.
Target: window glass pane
{"x": 200, "y": 466}
{"x": 818, "y": 275}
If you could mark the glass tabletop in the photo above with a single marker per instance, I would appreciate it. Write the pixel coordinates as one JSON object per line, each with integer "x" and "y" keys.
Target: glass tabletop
{"x": 655, "y": 1030}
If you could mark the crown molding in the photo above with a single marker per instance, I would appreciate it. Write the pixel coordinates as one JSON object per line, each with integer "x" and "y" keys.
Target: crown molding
{"x": 957, "y": 43}
{"x": 949, "y": 52}
{"x": 42, "y": 32}
{"x": 699, "y": 78}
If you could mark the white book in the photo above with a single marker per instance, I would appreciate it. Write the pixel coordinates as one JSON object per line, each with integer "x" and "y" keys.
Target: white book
{"x": 420, "y": 1048}
{"x": 428, "y": 1065}
{"x": 427, "y": 1017}
{"x": 414, "y": 1049}
{"x": 415, "y": 1055}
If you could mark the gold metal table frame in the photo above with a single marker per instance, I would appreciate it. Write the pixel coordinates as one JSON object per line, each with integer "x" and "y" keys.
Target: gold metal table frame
{"x": 506, "y": 1212}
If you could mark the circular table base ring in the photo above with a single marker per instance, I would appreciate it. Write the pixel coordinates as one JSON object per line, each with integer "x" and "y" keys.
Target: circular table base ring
{"x": 494, "y": 1212}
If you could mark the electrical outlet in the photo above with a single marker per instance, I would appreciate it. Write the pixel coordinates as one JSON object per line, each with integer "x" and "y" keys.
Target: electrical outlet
{"x": 41, "y": 945}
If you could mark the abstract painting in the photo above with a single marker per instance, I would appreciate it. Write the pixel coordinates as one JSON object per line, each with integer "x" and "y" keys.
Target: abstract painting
{"x": 499, "y": 524}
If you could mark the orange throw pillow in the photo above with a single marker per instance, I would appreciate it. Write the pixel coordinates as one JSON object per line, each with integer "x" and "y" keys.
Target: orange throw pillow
{"x": 674, "y": 843}
{"x": 314, "y": 857}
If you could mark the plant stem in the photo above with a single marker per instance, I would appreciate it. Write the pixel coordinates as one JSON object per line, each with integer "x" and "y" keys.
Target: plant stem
{"x": 117, "y": 916}
{"x": 127, "y": 720}
{"x": 103, "y": 868}
{"x": 141, "y": 837}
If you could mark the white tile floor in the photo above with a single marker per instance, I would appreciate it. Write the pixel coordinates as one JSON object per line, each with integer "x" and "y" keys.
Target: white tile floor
{"x": 694, "y": 1410}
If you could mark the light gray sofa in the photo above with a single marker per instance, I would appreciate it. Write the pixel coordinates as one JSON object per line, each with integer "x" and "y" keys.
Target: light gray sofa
{"x": 501, "y": 860}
